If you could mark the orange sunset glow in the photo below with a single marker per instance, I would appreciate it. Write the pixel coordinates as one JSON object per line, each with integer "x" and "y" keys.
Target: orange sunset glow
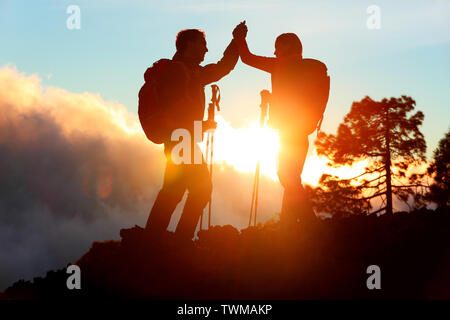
{"x": 217, "y": 159}
{"x": 243, "y": 147}
{"x": 89, "y": 115}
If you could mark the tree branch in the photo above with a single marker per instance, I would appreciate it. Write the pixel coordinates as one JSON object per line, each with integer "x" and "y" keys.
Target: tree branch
{"x": 379, "y": 210}
{"x": 367, "y": 172}
{"x": 367, "y": 198}
{"x": 368, "y": 181}
{"x": 410, "y": 186}
{"x": 374, "y": 154}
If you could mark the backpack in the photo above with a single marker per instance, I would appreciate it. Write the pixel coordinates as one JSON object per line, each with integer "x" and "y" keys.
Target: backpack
{"x": 165, "y": 84}
{"x": 305, "y": 88}
{"x": 316, "y": 91}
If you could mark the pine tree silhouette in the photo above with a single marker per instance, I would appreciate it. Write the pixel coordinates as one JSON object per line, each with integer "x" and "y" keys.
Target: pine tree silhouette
{"x": 383, "y": 133}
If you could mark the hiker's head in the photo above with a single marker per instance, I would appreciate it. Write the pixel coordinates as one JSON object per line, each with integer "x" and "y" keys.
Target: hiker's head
{"x": 191, "y": 43}
{"x": 288, "y": 44}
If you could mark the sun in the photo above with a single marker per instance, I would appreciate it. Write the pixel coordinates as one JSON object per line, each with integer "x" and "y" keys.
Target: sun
{"x": 243, "y": 147}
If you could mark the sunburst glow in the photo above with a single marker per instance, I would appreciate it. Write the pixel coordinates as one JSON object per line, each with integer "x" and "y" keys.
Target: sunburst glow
{"x": 243, "y": 147}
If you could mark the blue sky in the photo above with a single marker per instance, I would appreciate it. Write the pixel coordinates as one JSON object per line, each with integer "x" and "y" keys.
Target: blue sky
{"x": 118, "y": 40}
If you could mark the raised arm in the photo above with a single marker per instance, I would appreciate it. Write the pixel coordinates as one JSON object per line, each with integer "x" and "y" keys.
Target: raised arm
{"x": 259, "y": 62}
{"x": 215, "y": 71}
{"x": 263, "y": 63}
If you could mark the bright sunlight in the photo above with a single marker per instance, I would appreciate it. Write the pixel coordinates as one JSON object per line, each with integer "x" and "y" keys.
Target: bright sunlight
{"x": 242, "y": 147}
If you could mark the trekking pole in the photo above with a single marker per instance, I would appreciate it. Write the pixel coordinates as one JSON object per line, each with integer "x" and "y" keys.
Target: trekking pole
{"x": 265, "y": 98}
{"x": 215, "y": 99}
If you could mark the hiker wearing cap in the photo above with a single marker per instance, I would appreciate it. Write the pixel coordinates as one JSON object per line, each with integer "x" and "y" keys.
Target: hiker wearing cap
{"x": 300, "y": 90}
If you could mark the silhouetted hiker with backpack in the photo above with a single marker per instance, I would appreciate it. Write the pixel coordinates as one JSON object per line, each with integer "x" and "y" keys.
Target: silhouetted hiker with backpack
{"x": 172, "y": 98}
{"x": 300, "y": 89}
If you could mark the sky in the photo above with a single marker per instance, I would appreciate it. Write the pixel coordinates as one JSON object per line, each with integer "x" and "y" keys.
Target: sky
{"x": 118, "y": 40}
{"x": 78, "y": 166}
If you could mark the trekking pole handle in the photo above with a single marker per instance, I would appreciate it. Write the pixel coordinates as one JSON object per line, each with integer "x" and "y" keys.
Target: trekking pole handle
{"x": 265, "y": 100}
{"x": 211, "y": 112}
{"x": 215, "y": 98}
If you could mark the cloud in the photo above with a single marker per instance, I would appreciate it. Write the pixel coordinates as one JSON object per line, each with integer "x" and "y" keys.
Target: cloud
{"x": 76, "y": 169}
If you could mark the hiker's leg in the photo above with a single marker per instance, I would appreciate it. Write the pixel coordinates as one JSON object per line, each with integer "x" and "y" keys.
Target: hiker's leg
{"x": 289, "y": 177}
{"x": 199, "y": 193}
{"x": 291, "y": 161}
{"x": 168, "y": 198}
{"x": 302, "y": 201}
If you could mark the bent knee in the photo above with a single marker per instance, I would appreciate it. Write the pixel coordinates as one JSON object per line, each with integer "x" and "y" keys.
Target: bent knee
{"x": 289, "y": 180}
{"x": 171, "y": 194}
{"x": 202, "y": 193}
